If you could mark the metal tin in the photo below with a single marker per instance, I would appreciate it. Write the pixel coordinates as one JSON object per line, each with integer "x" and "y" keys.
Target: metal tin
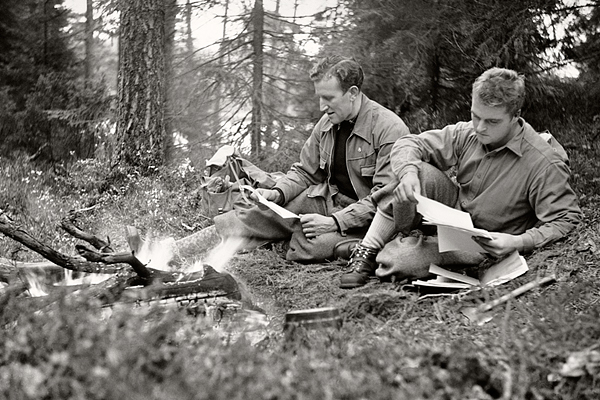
{"x": 313, "y": 318}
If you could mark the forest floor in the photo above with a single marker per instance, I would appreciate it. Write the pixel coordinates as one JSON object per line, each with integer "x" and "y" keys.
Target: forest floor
{"x": 394, "y": 341}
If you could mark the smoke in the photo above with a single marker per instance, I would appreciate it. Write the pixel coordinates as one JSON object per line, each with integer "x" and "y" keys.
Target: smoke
{"x": 157, "y": 253}
{"x": 222, "y": 254}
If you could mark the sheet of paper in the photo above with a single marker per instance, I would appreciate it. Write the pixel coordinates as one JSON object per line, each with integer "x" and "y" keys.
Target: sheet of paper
{"x": 282, "y": 212}
{"x": 452, "y": 239}
{"x": 509, "y": 268}
{"x": 503, "y": 271}
{"x": 434, "y": 269}
{"x": 441, "y": 282}
{"x": 455, "y": 227}
{"x": 438, "y": 213}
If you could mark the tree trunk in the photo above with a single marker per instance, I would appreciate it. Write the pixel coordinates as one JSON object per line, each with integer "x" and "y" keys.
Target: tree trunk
{"x": 89, "y": 40}
{"x": 257, "y": 76}
{"x": 141, "y": 108}
{"x": 216, "y": 124}
{"x": 169, "y": 45}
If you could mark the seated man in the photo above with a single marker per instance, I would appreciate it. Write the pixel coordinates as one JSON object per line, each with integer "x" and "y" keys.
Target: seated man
{"x": 343, "y": 162}
{"x": 509, "y": 179}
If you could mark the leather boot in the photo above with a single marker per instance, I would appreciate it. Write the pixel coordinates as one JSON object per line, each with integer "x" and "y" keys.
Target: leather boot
{"x": 362, "y": 265}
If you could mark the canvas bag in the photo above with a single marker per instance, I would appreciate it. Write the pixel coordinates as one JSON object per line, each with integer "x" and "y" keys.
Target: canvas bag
{"x": 225, "y": 172}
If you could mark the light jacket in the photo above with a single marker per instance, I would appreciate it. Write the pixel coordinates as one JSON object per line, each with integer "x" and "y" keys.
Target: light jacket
{"x": 367, "y": 158}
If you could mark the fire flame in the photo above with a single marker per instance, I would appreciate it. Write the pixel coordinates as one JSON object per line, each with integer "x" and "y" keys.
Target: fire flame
{"x": 36, "y": 288}
{"x": 157, "y": 253}
{"x": 220, "y": 255}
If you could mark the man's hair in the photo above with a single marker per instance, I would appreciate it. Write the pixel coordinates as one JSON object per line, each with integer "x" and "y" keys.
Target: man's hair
{"x": 501, "y": 87}
{"x": 347, "y": 71}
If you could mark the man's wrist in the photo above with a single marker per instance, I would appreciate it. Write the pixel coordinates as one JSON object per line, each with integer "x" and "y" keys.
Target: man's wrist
{"x": 519, "y": 244}
{"x": 337, "y": 224}
{"x": 411, "y": 168}
{"x": 280, "y": 198}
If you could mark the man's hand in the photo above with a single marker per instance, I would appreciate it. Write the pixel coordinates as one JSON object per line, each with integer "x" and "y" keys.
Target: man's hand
{"x": 314, "y": 225}
{"x": 500, "y": 244}
{"x": 408, "y": 186}
{"x": 269, "y": 194}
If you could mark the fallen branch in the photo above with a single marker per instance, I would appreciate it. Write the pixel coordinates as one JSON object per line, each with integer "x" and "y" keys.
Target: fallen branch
{"x": 13, "y": 231}
{"x": 68, "y": 224}
{"x": 114, "y": 258}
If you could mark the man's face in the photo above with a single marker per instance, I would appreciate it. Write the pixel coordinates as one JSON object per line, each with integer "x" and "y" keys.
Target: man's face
{"x": 494, "y": 126}
{"x": 332, "y": 100}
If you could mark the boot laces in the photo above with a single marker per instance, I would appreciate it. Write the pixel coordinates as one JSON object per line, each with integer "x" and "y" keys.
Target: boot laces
{"x": 360, "y": 256}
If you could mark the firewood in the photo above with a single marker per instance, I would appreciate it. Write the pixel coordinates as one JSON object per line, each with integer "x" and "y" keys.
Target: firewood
{"x": 146, "y": 284}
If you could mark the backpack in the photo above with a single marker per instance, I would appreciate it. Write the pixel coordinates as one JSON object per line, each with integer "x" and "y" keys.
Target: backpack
{"x": 225, "y": 172}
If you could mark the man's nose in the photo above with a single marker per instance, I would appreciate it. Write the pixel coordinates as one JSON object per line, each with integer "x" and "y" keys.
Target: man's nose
{"x": 323, "y": 106}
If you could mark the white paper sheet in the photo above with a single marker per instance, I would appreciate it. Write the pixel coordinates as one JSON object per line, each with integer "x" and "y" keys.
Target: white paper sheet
{"x": 455, "y": 227}
{"x": 507, "y": 269}
{"x": 282, "y": 212}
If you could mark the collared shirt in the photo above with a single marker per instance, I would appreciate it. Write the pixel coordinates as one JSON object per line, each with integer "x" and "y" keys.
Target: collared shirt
{"x": 521, "y": 188}
{"x": 367, "y": 158}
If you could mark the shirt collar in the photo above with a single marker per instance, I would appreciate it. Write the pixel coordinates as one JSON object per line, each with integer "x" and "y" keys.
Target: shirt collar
{"x": 514, "y": 144}
{"x": 361, "y": 121}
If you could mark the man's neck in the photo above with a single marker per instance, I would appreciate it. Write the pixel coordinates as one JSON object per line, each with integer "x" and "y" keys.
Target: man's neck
{"x": 355, "y": 109}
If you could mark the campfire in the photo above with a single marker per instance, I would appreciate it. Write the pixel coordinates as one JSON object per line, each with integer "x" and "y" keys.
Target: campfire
{"x": 151, "y": 270}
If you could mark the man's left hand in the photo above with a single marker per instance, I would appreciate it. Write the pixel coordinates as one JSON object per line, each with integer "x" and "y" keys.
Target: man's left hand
{"x": 500, "y": 244}
{"x": 314, "y": 225}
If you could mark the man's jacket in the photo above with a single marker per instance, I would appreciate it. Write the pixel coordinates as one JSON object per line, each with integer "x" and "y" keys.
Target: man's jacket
{"x": 367, "y": 158}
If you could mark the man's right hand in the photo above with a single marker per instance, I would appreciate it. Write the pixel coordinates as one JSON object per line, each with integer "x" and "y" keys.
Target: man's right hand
{"x": 269, "y": 194}
{"x": 408, "y": 186}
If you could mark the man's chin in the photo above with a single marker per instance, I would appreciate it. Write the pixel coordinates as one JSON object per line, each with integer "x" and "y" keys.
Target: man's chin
{"x": 334, "y": 120}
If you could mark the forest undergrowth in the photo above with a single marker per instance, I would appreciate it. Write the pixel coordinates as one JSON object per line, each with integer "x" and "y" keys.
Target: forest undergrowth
{"x": 394, "y": 342}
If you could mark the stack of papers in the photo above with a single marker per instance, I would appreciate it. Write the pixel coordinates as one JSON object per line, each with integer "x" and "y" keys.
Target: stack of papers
{"x": 503, "y": 271}
{"x": 455, "y": 227}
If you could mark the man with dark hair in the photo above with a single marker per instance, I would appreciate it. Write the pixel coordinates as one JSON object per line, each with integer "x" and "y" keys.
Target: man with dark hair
{"x": 343, "y": 162}
{"x": 508, "y": 178}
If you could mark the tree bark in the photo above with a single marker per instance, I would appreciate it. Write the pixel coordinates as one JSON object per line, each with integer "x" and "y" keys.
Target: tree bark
{"x": 169, "y": 46}
{"x": 257, "y": 76}
{"x": 141, "y": 107}
{"x": 89, "y": 40}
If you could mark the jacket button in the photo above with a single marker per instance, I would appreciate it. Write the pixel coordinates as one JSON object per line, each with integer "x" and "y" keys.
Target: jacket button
{"x": 359, "y": 149}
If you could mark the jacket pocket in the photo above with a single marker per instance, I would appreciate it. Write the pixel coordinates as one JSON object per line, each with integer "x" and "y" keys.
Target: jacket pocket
{"x": 367, "y": 171}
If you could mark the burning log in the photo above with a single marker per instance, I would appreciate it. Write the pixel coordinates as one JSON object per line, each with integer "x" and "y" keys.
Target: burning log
{"x": 114, "y": 258}
{"x": 144, "y": 283}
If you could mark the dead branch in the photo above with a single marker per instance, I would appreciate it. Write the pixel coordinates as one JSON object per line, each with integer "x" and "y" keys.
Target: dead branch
{"x": 15, "y": 232}
{"x": 68, "y": 224}
{"x": 114, "y": 258}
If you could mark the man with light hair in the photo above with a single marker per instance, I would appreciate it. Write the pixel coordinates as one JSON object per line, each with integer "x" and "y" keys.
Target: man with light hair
{"x": 508, "y": 178}
{"x": 344, "y": 161}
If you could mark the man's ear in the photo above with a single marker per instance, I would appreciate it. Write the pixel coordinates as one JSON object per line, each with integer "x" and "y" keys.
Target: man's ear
{"x": 354, "y": 91}
{"x": 518, "y": 113}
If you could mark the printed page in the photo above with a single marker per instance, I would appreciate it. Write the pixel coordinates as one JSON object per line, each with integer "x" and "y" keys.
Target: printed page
{"x": 282, "y": 212}
{"x": 438, "y": 213}
{"x": 453, "y": 239}
{"x": 441, "y": 282}
{"x": 455, "y": 227}
{"x": 509, "y": 268}
{"x": 434, "y": 269}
